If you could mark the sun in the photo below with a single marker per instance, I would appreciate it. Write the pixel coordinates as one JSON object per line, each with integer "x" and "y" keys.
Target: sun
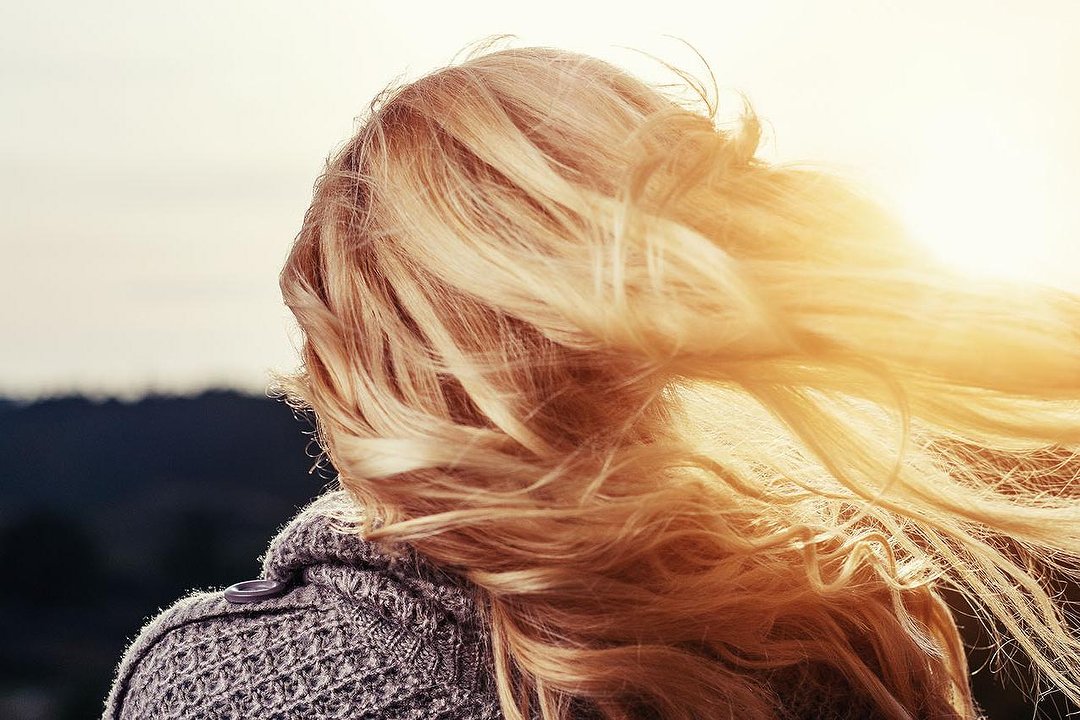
{"x": 980, "y": 197}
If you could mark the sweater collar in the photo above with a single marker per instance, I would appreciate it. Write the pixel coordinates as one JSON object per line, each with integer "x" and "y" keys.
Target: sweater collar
{"x": 322, "y": 545}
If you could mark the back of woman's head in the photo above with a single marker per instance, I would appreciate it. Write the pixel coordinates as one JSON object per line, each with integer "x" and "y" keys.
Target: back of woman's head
{"x": 709, "y": 436}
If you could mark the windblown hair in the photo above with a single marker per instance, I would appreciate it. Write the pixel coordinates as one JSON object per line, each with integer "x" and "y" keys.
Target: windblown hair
{"x": 710, "y": 436}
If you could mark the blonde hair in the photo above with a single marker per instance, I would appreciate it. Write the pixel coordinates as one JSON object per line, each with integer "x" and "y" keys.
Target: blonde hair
{"x": 710, "y": 436}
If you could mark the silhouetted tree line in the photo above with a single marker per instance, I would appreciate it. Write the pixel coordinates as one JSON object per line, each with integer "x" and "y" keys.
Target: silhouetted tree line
{"x": 110, "y": 510}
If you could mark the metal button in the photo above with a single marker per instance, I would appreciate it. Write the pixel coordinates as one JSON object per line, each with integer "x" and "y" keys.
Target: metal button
{"x": 250, "y": 591}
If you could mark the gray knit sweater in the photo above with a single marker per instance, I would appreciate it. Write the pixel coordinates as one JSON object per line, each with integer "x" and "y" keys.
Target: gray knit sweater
{"x": 354, "y": 633}
{"x": 351, "y": 631}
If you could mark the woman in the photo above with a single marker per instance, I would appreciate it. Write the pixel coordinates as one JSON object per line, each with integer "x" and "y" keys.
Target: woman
{"x": 632, "y": 424}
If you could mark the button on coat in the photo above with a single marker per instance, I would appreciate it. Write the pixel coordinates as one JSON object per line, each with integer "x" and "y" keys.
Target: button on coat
{"x": 250, "y": 591}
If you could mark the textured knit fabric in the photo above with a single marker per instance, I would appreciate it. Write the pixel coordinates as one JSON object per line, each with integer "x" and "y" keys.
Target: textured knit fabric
{"x": 360, "y": 633}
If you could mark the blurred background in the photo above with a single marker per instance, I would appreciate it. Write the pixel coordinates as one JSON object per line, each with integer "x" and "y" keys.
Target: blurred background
{"x": 155, "y": 162}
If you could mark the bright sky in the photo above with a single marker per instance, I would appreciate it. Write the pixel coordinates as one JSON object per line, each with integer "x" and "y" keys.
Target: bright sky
{"x": 156, "y": 158}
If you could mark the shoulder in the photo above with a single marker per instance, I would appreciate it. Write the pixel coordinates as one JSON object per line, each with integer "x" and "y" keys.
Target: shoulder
{"x": 337, "y": 636}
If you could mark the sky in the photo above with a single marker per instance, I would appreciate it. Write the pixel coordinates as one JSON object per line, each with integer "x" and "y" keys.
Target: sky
{"x": 156, "y": 158}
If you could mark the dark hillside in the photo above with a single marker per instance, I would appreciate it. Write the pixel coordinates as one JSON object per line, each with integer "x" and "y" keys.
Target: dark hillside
{"x": 111, "y": 510}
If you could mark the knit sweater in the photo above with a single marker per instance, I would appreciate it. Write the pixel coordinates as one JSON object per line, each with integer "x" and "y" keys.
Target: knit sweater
{"x": 350, "y": 631}
{"x": 353, "y": 632}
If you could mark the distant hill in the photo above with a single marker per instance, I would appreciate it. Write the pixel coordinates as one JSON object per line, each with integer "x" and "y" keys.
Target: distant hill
{"x": 112, "y": 509}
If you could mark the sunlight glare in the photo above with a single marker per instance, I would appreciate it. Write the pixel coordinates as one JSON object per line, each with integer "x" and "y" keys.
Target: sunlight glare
{"x": 979, "y": 197}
